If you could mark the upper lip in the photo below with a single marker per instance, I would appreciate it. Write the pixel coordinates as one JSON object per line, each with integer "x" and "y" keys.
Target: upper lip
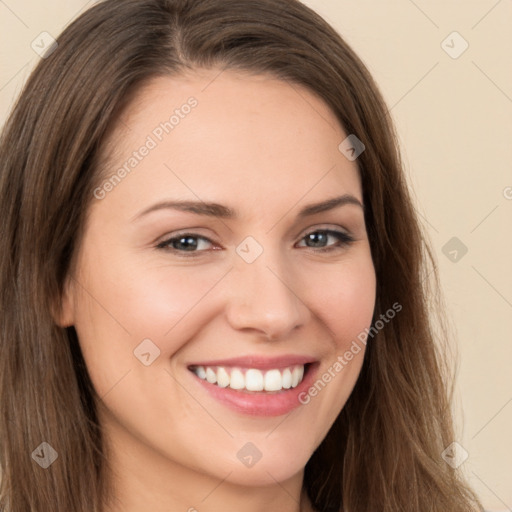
{"x": 259, "y": 362}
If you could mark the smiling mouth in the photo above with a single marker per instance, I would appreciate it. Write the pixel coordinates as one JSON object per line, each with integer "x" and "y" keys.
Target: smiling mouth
{"x": 252, "y": 380}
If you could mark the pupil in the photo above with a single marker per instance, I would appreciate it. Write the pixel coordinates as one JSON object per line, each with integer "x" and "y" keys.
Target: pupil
{"x": 317, "y": 238}
{"x": 187, "y": 242}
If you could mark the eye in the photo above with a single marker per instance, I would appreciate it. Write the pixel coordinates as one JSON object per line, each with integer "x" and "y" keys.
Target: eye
{"x": 318, "y": 239}
{"x": 192, "y": 244}
{"x": 186, "y": 242}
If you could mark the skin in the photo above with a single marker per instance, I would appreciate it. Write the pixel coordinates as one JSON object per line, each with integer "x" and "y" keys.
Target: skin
{"x": 266, "y": 149}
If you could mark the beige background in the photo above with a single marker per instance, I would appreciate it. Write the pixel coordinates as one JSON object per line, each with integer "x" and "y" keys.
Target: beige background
{"x": 454, "y": 118}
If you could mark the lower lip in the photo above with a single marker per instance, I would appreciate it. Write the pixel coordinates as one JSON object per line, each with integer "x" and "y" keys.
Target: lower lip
{"x": 261, "y": 403}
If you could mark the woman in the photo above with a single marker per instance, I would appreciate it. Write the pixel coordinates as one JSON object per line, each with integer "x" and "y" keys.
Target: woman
{"x": 213, "y": 288}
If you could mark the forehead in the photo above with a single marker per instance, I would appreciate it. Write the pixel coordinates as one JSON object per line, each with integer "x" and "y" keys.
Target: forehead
{"x": 214, "y": 130}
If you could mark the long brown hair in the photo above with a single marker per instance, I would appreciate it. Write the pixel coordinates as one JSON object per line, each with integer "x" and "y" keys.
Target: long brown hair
{"x": 384, "y": 450}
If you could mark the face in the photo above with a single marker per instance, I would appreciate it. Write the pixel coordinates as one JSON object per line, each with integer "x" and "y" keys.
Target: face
{"x": 206, "y": 326}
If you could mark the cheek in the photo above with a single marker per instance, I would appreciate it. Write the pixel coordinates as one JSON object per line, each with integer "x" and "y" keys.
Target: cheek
{"x": 344, "y": 297}
{"x": 117, "y": 307}
{"x": 167, "y": 304}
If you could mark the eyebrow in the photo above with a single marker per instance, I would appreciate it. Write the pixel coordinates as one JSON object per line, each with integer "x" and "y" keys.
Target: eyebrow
{"x": 218, "y": 210}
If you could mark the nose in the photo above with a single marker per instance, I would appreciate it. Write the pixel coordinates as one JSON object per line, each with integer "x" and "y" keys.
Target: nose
{"x": 263, "y": 299}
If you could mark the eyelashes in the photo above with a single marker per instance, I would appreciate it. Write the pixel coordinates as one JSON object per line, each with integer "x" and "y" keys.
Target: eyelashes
{"x": 343, "y": 238}
{"x": 189, "y": 244}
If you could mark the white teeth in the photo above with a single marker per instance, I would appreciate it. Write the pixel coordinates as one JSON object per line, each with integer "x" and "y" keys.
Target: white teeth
{"x": 237, "y": 380}
{"x": 273, "y": 380}
{"x": 287, "y": 378}
{"x": 222, "y": 377}
{"x": 211, "y": 376}
{"x": 297, "y": 375}
{"x": 253, "y": 379}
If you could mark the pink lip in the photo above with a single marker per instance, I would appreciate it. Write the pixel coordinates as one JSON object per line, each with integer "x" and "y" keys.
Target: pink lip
{"x": 259, "y": 362}
{"x": 260, "y": 403}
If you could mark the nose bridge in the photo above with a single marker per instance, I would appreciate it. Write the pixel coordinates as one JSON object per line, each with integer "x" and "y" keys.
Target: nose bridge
{"x": 262, "y": 295}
